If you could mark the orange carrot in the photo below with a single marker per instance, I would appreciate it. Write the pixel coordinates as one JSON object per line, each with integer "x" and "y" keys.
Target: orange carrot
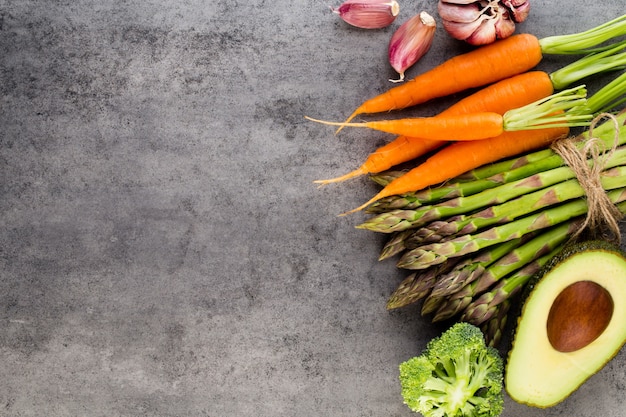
{"x": 565, "y": 108}
{"x": 470, "y": 126}
{"x": 496, "y": 61}
{"x": 481, "y": 66}
{"x": 460, "y": 157}
{"x": 504, "y": 95}
{"x": 400, "y": 150}
{"x": 499, "y": 97}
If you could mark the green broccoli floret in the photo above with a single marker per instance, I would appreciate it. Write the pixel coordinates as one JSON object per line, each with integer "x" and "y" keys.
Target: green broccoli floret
{"x": 457, "y": 375}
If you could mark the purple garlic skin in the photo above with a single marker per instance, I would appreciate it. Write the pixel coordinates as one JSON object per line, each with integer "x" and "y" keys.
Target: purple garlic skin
{"x": 368, "y": 14}
{"x": 410, "y": 42}
{"x": 480, "y": 22}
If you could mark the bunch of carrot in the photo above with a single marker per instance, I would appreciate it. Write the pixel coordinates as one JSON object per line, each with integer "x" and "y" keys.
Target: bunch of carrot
{"x": 472, "y": 132}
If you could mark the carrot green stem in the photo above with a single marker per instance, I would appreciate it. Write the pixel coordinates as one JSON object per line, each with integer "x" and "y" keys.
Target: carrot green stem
{"x": 565, "y": 108}
{"x": 608, "y": 97}
{"x": 591, "y": 64}
{"x": 586, "y": 41}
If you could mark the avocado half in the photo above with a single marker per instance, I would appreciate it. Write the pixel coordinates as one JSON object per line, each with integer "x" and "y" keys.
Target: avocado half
{"x": 572, "y": 322}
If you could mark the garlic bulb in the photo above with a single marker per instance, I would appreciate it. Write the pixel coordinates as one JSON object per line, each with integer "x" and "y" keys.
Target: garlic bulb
{"x": 479, "y": 22}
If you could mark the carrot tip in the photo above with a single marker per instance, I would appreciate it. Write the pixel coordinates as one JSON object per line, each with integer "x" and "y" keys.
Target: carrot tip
{"x": 348, "y": 120}
{"x": 364, "y": 205}
{"x": 357, "y": 172}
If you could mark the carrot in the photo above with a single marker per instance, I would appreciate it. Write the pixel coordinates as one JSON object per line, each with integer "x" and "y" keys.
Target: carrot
{"x": 499, "y": 97}
{"x": 400, "y": 150}
{"x": 460, "y": 157}
{"x": 488, "y": 64}
{"x": 470, "y": 126}
{"x": 473, "y": 69}
{"x": 504, "y": 95}
{"x": 565, "y": 108}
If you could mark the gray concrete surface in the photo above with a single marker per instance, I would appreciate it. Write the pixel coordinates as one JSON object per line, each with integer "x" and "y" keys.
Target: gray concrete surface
{"x": 163, "y": 251}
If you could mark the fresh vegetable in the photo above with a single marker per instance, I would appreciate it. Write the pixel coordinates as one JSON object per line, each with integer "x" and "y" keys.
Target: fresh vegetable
{"x": 456, "y": 375}
{"x": 499, "y": 97}
{"x": 528, "y": 257}
{"x": 410, "y": 42}
{"x": 480, "y": 22}
{"x": 563, "y": 109}
{"x": 449, "y": 277}
{"x": 571, "y": 323}
{"x": 368, "y": 14}
{"x": 463, "y": 156}
{"x": 418, "y": 285}
{"x": 509, "y": 200}
{"x": 436, "y": 253}
{"x": 471, "y": 269}
{"x": 459, "y": 157}
{"x": 521, "y": 206}
{"x": 488, "y": 64}
{"x": 485, "y": 306}
{"x": 478, "y": 285}
{"x": 467, "y": 183}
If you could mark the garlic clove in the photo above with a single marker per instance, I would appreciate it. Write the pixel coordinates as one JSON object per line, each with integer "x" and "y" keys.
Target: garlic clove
{"x": 458, "y": 13}
{"x": 463, "y": 30}
{"x": 368, "y": 14}
{"x": 484, "y": 34}
{"x": 410, "y": 42}
{"x": 504, "y": 26}
{"x": 519, "y": 12}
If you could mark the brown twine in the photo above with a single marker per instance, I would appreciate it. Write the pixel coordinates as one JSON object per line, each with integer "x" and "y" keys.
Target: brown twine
{"x": 602, "y": 214}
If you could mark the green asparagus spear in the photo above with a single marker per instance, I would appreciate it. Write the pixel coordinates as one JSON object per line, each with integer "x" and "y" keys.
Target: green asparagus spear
{"x": 543, "y": 243}
{"x": 471, "y": 268}
{"x": 510, "y": 210}
{"x": 484, "y": 307}
{"x": 395, "y": 245}
{"x": 417, "y": 285}
{"x": 398, "y": 220}
{"x": 496, "y": 325}
{"x": 435, "y": 253}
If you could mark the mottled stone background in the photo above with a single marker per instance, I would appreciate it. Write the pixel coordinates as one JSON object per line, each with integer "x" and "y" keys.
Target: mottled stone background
{"x": 163, "y": 251}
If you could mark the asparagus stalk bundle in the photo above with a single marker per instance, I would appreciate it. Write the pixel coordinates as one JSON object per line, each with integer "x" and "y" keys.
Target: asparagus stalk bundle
{"x": 432, "y": 254}
{"x": 403, "y": 219}
{"x": 534, "y": 201}
{"x": 473, "y": 243}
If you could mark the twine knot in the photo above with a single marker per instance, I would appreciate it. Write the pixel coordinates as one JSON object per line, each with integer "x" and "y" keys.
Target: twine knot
{"x": 588, "y": 161}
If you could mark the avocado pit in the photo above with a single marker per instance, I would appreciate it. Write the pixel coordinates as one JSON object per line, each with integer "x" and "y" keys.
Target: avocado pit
{"x": 579, "y": 315}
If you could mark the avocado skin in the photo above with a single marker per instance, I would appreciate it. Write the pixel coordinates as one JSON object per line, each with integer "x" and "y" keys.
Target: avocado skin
{"x": 568, "y": 251}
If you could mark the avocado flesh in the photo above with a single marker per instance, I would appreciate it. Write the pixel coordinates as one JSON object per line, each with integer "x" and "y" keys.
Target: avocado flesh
{"x": 541, "y": 376}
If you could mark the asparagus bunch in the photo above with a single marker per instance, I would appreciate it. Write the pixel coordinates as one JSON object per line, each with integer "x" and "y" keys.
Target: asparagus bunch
{"x": 435, "y": 253}
{"x": 472, "y": 244}
{"x": 403, "y": 219}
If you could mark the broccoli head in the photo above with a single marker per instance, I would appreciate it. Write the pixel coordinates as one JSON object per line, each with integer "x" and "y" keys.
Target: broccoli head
{"x": 457, "y": 375}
